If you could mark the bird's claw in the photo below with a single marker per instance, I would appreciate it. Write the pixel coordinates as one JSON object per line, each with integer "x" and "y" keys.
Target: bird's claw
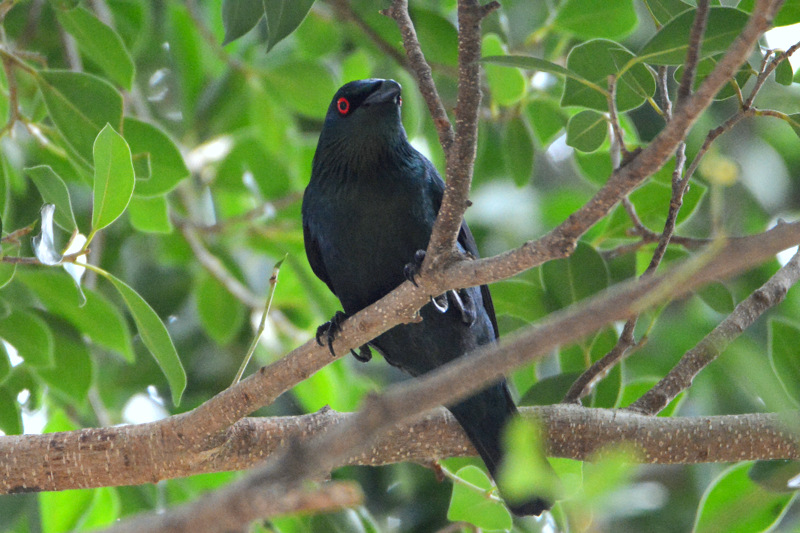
{"x": 330, "y": 329}
{"x": 440, "y": 303}
{"x": 363, "y": 355}
{"x": 411, "y": 270}
{"x": 465, "y": 304}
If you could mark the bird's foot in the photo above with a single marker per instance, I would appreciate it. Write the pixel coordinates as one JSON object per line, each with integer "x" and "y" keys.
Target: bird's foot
{"x": 363, "y": 355}
{"x": 411, "y": 270}
{"x": 330, "y": 329}
{"x": 440, "y": 303}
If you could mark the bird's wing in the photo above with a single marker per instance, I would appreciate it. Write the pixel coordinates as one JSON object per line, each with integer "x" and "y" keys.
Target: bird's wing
{"x": 465, "y": 239}
{"x": 315, "y": 257}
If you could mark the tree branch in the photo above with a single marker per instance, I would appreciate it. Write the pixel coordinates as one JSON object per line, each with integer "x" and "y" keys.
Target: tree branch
{"x": 680, "y": 378}
{"x": 693, "y": 51}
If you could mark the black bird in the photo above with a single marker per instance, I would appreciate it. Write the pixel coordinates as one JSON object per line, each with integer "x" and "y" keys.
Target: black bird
{"x": 368, "y": 212}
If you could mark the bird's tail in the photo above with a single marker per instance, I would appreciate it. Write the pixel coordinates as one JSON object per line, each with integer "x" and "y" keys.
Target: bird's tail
{"x": 483, "y": 417}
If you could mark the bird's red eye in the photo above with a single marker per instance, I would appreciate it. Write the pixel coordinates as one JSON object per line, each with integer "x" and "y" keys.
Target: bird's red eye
{"x": 343, "y": 105}
{"x": 399, "y": 100}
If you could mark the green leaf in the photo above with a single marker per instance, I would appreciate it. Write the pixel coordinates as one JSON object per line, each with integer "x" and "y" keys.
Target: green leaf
{"x": 474, "y": 505}
{"x": 150, "y": 215}
{"x": 717, "y": 296}
{"x": 596, "y": 18}
{"x": 669, "y": 45}
{"x": 155, "y": 336}
{"x": 776, "y": 476}
{"x": 80, "y": 105}
{"x": 220, "y": 313}
{"x": 239, "y": 17}
{"x": 665, "y": 10}
{"x": 519, "y": 151}
{"x": 283, "y": 17}
{"x": 97, "y": 318}
{"x": 576, "y": 277}
{"x": 54, "y": 191}
{"x": 783, "y": 73}
{"x": 30, "y": 335}
{"x": 62, "y": 511}
{"x": 72, "y": 373}
{"x": 721, "y": 506}
{"x": 64, "y": 4}
{"x": 782, "y": 348}
{"x": 530, "y": 63}
{"x": 317, "y": 83}
{"x": 794, "y": 122}
{"x": 113, "y": 178}
{"x": 595, "y": 61}
{"x": 706, "y": 66}
{"x": 165, "y": 162}
{"x": 10, "y": 412}
{"x": 525, "y": 472}
{"x": 546, "y": 118}
{"x": 550, "y": 390}
{"x": 586, "y": 131}
{"x": 507, "y": 86}
{"x": 789, "y": 13}
{"x": 100, "y": 43}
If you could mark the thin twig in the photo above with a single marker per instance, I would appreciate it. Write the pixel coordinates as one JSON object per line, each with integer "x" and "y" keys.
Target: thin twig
{"x": 766, "y": 69}
{"x": 398, "y": 12}
{"x": 693, "y": 51}
{"x": 614, "y": 116}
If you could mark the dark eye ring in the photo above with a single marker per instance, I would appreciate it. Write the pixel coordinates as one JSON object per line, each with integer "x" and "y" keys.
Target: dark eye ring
{"x": 343, "y": 105}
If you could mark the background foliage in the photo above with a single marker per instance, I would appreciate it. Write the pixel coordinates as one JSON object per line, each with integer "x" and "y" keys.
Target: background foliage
{"x": 183, "y": 161}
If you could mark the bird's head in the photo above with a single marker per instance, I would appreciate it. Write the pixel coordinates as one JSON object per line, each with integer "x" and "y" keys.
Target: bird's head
{"x": 363, "y": 118}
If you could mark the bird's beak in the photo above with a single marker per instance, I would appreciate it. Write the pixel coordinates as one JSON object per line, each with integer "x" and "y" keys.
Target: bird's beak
{"x": 388, "y": 91}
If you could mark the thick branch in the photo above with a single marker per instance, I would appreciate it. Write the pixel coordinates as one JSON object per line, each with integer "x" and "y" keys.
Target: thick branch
{"x": 572, "y": 432}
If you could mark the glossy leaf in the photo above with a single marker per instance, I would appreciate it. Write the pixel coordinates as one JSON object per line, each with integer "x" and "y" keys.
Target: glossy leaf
{"x": 30, "y": 335}
{"x": 669, "y": 45}
{"x": 97, "y": 318}
{"x": 529, "y": 63}
{"x": 595, "y": 61}
{"x": 10, "y": 412}
{"x": 155, "y": 337}
{"x": 707, "y": 65}
{"x": 783, "y": 73}
{"x": 100, "y": 43}
{"x": 576, "y": 277}
{"x": 150, "y": 215}
{"x": 519, "y": 156}
{"x": 54, "y": 191}
{"x": 165, "y": 162}
{"x": 788, "y": 14}
{"x": 586, "y": 131}
{"x": 240, "y": 16}
{"x": 782, "y": 347}
{"x": 72, "y": 372}
{"x": 220, "y": 313}
{"x": 720, "y": 508}
{"x": 794, "y": 122}
{"x": 665, "y": 10}
{"x": 80, "y": 105}
{"x": 113, "y": 178}
{"x": 507, "y": 86}
{"x": 547, "y": 119}
{"x": 283, "y": 17}
{"x": 474, "y": 505}
{"x": 717, "y": 296}
{"x": 524, "y": 472}
{"x": 596, "y": 18}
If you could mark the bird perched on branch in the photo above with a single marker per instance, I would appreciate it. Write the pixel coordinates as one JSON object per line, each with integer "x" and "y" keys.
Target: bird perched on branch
{"x": 368, "y": 213}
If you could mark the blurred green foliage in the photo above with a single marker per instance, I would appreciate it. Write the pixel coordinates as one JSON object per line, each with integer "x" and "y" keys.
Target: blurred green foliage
{"x": 136, "y": 121}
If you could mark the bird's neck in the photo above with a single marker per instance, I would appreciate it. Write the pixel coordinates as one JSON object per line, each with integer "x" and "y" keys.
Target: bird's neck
{"x": 364, "y": 163}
